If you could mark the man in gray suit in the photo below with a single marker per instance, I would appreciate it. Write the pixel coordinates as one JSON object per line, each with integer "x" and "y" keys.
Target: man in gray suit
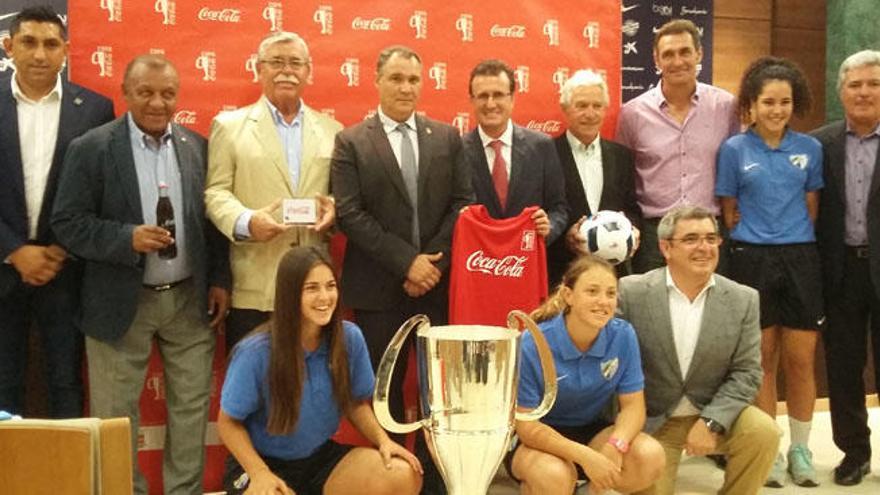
{"x": 105, "y": 213}
{"x": 700, "y": 343}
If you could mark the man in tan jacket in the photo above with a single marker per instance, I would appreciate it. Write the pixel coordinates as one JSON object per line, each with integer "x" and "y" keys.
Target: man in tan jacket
{"x": 258, "y": 155}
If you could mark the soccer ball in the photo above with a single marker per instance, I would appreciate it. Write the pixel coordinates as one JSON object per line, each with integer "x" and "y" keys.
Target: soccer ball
{"x": 609, "y": 235}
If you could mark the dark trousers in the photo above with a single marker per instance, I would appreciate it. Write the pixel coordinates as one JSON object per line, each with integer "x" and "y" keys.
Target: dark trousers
{"x": 378, "y": 328}
{"x": 53, "y": 308}
{"x": 852, "y": 313}
{"x": 241, "y": 321}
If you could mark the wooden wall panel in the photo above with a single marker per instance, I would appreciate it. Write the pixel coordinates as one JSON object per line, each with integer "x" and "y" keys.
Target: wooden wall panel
{"x": 807, "y": 48}
{"x": 739, "y": 9}
{"x": 737, "y": 43}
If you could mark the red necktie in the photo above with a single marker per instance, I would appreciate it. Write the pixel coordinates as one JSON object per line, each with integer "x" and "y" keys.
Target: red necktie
{"x": 499, "y": 173}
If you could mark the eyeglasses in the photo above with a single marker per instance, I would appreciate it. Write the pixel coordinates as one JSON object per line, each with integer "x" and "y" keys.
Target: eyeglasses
{"x": 485, "y": 97}
{"x": 694, "y": 240}
{"x": 280, "y": 63}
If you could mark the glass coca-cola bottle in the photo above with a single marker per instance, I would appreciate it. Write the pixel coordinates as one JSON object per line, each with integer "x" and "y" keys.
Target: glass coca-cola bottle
{"x": 165, "y": 219}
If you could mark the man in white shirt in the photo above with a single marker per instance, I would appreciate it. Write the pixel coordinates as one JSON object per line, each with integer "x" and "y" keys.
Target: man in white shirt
{"x": 700, "y": 341}
{"x": 40, "y": 113}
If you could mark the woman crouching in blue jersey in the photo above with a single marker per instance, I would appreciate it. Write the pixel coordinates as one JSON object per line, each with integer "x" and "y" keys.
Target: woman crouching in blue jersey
{"x": 287, "y": 386}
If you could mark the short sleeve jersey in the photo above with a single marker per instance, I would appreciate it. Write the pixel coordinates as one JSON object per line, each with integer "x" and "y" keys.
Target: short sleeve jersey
{"x": 769, "y": 186}
{"x": 245, "y": 395}
{"x": 586, "y": 380}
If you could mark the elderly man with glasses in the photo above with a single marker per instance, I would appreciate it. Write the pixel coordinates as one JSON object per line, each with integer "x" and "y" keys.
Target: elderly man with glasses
{"x": 277, "y": 148}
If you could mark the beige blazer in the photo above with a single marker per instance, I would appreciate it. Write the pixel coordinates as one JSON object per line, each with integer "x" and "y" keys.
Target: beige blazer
{"x": 247, "y": 170}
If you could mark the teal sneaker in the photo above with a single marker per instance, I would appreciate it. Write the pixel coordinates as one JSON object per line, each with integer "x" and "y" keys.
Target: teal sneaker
{"x": 776, "y": 478}
{"x": 800, "y": 466}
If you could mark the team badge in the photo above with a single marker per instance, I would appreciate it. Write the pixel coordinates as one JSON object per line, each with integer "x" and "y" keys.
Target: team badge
{"x": 799, "y": 161}
{"x": 609, "y": 368}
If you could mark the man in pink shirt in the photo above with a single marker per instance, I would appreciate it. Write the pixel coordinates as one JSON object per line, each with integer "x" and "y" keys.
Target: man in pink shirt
{"x": 675, "y": 130}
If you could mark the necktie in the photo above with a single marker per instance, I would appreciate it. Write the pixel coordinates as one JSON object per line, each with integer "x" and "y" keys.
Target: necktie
{"x": 499, "y": 173}
{"x": 410, "y": 177}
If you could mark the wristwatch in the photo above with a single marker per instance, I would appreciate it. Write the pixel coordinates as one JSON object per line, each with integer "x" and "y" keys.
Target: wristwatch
{"x": 714, "y": 426}
{"x": 620, "y": 444}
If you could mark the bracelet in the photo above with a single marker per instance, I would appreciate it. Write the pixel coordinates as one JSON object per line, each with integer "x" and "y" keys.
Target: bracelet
{"x": 620, "y": 444}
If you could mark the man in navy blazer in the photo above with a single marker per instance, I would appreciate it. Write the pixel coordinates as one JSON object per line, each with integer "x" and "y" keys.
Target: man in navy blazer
{"x": 512, "y": 167}
{"x": 40, "y": 113}
{"x": 134, "y": 292}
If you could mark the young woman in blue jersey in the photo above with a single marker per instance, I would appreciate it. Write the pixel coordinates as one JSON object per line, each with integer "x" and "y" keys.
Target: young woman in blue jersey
{"x": 768, "y": 183}
{"x": 597, "y": 361}
{"x": 287, "y": 386}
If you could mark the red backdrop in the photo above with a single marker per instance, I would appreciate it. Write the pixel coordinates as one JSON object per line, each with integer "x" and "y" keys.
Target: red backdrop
{"x": 213, "y": 44}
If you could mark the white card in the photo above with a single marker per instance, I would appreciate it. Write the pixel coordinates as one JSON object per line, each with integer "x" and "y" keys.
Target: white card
{"x": 300, "y": 211}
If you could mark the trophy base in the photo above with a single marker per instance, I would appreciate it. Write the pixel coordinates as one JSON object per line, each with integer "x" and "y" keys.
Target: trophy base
{"x": 468, "y": 460}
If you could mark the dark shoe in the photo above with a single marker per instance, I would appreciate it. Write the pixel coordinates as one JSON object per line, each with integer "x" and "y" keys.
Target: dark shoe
{"x": 850, "y": 471}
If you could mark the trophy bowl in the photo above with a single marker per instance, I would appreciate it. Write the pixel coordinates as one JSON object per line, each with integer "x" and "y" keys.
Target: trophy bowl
{"x": 468, "y": 377}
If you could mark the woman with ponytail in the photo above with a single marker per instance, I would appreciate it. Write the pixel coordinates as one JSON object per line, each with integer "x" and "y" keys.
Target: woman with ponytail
{"x": 597, "y": 362}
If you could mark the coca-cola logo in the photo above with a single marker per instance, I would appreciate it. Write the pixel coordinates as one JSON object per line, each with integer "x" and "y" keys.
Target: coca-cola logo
{"x": 221, "y": 15}
{"x": 465, "y": 25}
{"x": 512, "y": 31}
{"x": 324, "y": 16}
{"x": 185, "y": 117}
{"x": 546, "y": 126}
{"x": 508, "y": 266}
{"x": 375, "y": 24}
{"x": 156, "y": 384}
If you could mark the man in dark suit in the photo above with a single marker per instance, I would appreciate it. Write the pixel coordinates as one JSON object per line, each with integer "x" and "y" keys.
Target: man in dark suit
{"x": 40, "y": 113}
{"x": 511, "y": 167}
{"x": 399, "y": 181}
{"x": 135, "y": 289}
{"x": 599, "y": 174}
{"x": 701, "y": 353}
{"x": 848, "y": 234}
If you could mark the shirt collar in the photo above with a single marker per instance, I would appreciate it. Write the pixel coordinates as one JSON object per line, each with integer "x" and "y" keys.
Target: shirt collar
{"x": 671, "y": 284}
{"x": 784, "y": 144}
{"x": 141, "y": 138}
{"x": 558, "y": 338}
{"x": 54, "y": 94}
{"x": 278, "y": 118}
{"x": 390, "y": 125}
{"x": 874, "y": 133}
{"x": 576, "y": 143}
{"x": 506, "y": 137}
{"x": 695, "y": 98}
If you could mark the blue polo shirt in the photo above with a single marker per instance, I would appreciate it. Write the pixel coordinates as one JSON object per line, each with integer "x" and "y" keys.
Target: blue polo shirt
{"x": 585, "y": 380}
{"x": 245, "y": 394}
{"x": 769, "y": 186}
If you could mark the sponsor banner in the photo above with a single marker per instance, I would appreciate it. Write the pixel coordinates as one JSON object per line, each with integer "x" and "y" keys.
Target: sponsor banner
{"x": 213, "y": 43}
{"x": 640, "y": 20}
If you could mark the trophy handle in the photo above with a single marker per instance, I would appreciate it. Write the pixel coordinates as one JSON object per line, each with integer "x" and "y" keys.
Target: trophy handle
{"x": 547, "y": 366}
{"x": 383, "y": 377}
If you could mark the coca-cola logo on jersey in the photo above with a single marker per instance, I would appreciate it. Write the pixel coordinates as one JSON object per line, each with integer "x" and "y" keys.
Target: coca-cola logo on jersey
{"x": 437, "y": 73}
{"x": 274, "y": 14}
{"x": 521, "y": 75}
{"x": 102, "y": 57}
{"x": 551, "y": 31}
{"x": 156, "y": 384}
{"x": 374, "y": 24}
{"x": 185, "y": 117}
{"x": 220, "y": 15}
{"x": 512, "y": 31}
{"x": 207, "y": 63}
{"x": 508, "y": 266}
{"x": 465, "y": 25}
{"x": 324, "y": 17}
{"x": 545, "y": 126}
{"x": 351, "y": 69}
{"x": 168, "y": 9}
{"x": 419, "y": 22}
{"x": 113, "y": 8}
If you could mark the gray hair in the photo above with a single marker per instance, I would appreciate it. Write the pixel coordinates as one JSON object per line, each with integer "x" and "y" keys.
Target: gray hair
{"x": 282, "y": 37}
{"x": 583, "y": 77}
{"x": 666, "y": 227}
{"x": 863, "y": 58}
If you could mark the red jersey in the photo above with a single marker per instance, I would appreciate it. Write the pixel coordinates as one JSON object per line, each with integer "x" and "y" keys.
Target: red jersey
{"x": 497, "y": 266}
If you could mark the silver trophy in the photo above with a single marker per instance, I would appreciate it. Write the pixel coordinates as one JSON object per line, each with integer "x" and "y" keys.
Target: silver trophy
{"x": 468, "y": 378}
